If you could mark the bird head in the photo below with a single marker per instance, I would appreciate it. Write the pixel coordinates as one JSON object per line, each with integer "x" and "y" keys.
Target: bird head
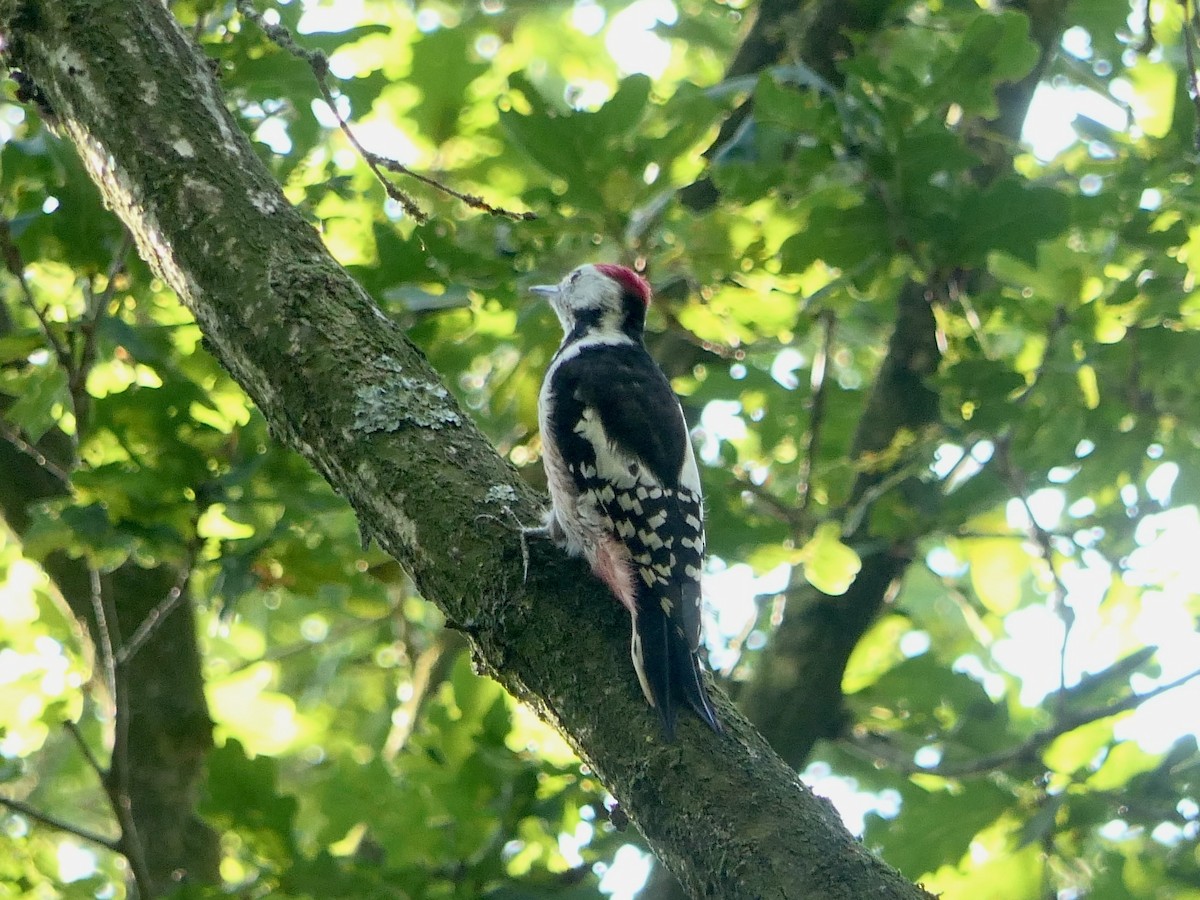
{"x": 601, "y": 298}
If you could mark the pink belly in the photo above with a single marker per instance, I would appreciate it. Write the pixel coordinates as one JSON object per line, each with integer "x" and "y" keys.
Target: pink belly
{"x": 611, "y": 565}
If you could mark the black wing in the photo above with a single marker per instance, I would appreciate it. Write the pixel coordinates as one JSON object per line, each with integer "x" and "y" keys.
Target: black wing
{"x": 616, "y": 413}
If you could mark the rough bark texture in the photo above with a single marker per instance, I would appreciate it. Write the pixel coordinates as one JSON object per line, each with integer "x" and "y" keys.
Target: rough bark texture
{"x": 337, "y": 380}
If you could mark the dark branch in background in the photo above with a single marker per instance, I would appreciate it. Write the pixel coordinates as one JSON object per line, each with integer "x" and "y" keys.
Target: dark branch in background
{"x": 84, "y": 337}
{"x": 814, "y": 32}
{"x": 116, "y": 781}
{"x": 878, "y": 750}
{"x": 84, "y": 748}
{"x": 10, "y": 434}
{"x": 796, "y": 695}
{"x": 319, "y": 63}
{"x": 134, "y": 789}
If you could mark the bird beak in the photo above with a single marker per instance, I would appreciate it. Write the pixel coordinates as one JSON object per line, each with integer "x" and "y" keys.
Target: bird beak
{"x": 544, "y": 290}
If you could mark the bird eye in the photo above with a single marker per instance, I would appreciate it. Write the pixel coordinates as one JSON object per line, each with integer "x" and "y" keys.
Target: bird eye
{"x": 574, "y": 276}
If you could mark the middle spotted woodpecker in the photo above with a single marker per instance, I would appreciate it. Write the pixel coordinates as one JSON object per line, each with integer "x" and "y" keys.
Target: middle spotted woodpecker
{"x": 624, "y": 486}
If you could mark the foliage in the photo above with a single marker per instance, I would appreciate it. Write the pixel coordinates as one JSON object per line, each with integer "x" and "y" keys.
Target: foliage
{"x": 356, "y": 752}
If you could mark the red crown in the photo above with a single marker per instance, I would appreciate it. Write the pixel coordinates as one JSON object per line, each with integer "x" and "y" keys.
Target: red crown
{"x": 630, "y": 280}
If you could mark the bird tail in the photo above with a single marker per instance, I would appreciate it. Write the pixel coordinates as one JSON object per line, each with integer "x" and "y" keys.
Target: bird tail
{"x": 668, "y": 669}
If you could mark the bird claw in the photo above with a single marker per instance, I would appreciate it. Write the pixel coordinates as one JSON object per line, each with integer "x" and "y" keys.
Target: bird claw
{"x": 523, "y": 532}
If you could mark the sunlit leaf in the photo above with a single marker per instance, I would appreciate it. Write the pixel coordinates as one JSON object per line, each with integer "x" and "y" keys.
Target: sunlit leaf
{"x": 829, "y": 565}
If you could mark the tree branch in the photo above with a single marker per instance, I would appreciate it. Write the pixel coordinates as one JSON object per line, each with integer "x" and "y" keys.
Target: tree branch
{"x": 168, "y": 722}
{"x": 876, "y": 750}
{"x": 796, "y": 694}
{"x": 175, "y": 597}
{"x": 57, "y": 824}
{"x": 85, "y": 749}
{"x": 338, "y": 381}
{"x": 13, "y": 436}
{"x": 15, "y": 265}
{"x": 116, "y": 781}
{"x": 814, "y": 32}
{"x": 376, "y": 162}
{"x": 796, "y": 698}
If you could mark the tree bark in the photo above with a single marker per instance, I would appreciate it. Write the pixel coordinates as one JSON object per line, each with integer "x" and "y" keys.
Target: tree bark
{"x": 338, "y": 381}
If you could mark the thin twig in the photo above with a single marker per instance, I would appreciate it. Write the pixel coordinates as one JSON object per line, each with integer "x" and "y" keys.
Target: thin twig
{"x": 154, "y": 620}
{"x": 86, "y": 750}
{"x": 968, "y": 457}
{"x": 103, "y": 633}
{"x": 739, "y": 640}
{"x": 13, "y": 436}
{"x": 1027, "y": 749}
{"x": 305, "y": 646}
{"x": 95, "y": 307}
{"x": 1148, "y": 41}
{"x": 421, "y": 680}
{"x": 117, "y": 783}
{"x": 778, "y": 508}
{"x": 57, "y": 824}
{"x": 1060, "y": 321}
{"x": 15, "y": 264}
{"x": 1041, "y": 538}
{"x": 319, "y": 64}
{"x": 816, "y": 416}
{"x": 854, "y": 516}
{"x": 956, "y": 294}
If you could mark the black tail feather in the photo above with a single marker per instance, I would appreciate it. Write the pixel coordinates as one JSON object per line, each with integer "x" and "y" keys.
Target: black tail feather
{"x": 652, "y": 653}
{"x": 688, "y": 682}
{"x": 670, "y": 671}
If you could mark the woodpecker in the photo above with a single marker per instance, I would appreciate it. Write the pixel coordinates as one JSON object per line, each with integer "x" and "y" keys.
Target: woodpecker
{"x": 624, "y": 487}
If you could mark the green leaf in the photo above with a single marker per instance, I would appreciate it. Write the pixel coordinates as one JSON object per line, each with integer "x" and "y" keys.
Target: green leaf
{"x": 575, "y": 147}
{"x": 41, "y": 400}
{"x": 829, "y": 565}
{"x": 1124, "y": 762}
{"x": 1011, "y": 217}
{"x": 842, "y": 238}
{"x": 999, "y": 569}
{"x": 241, "y": 792}
{"x": 442, "y": 69}
{"x": 995, "y": 49}
{"x": 935, "y": 827}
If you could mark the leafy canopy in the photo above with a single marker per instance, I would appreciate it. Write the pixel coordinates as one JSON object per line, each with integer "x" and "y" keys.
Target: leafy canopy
{"x": 1050, "y": 507}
